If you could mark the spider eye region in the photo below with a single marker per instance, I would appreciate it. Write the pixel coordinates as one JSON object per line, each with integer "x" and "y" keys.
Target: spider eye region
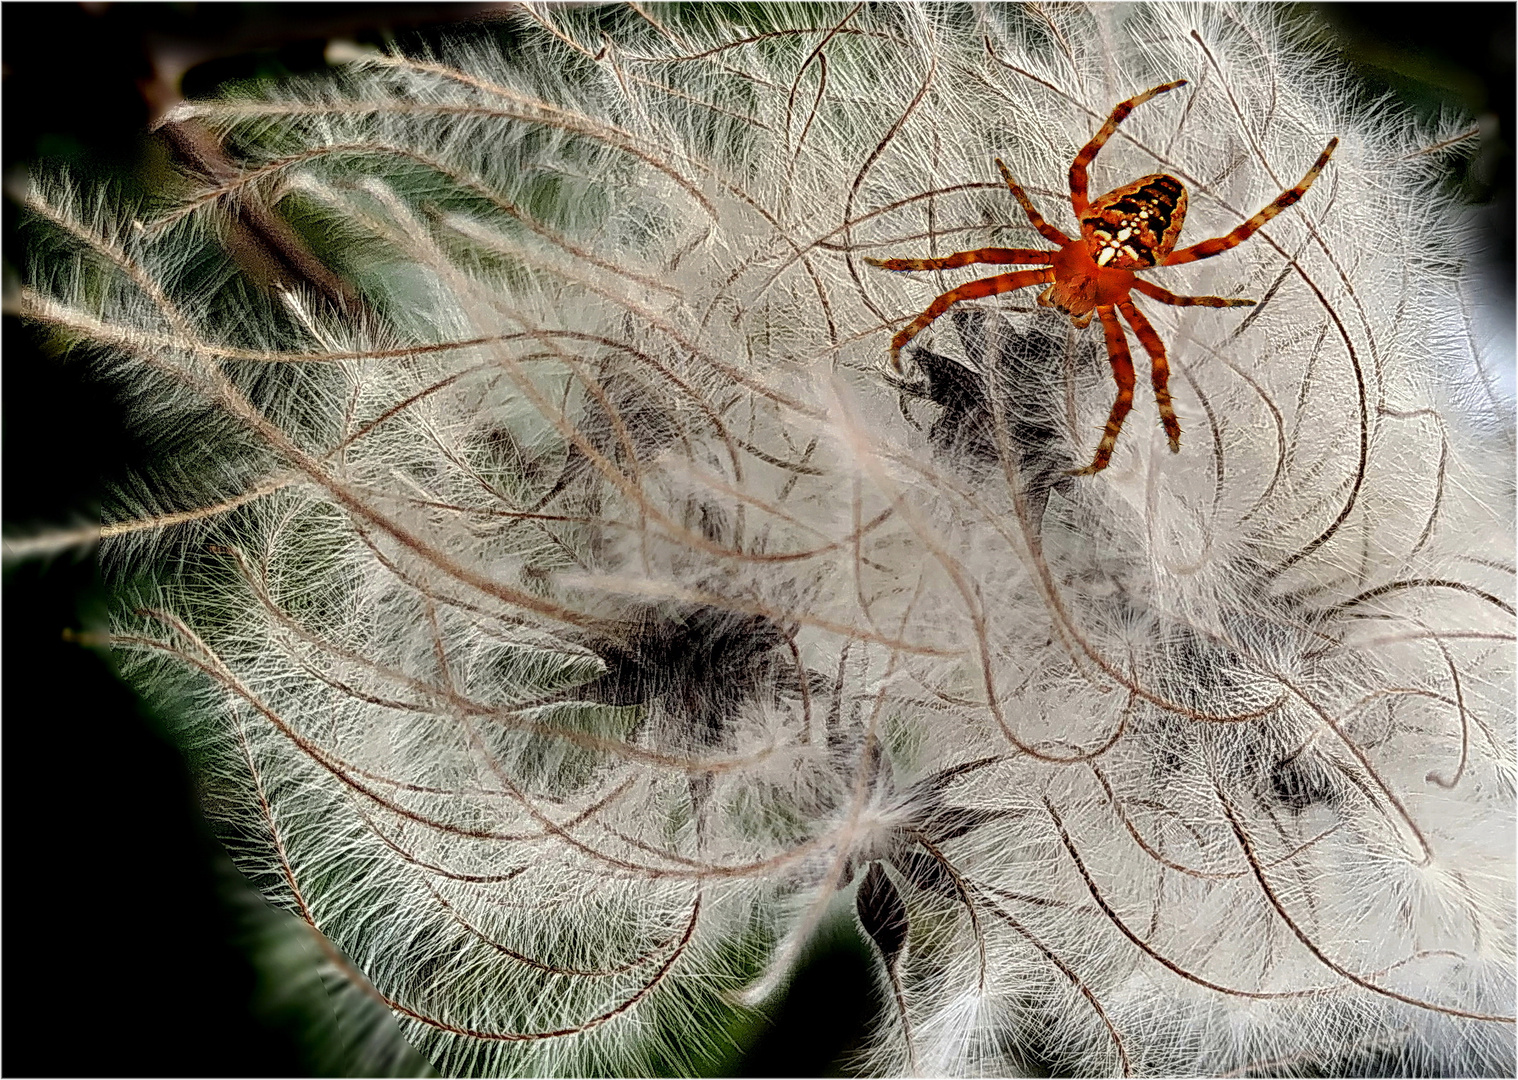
{"x": 1136, "y": 225}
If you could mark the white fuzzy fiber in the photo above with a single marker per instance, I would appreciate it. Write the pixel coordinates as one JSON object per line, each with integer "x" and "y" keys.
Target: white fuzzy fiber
{"x": 579, "y": 622}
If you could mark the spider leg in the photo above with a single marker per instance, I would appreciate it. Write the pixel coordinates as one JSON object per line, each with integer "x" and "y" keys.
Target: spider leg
{"x": 1122, "y": 374}
{"x": 973, "y": 290}
{"x": 1165, "y": 296}
{"x": 965, "y": 258}
{"x": 1208, "y": 248}
{"x": 1160, "y": 370}
{"x": 1048, "y": 231}
{"x": 1083, "y": 159}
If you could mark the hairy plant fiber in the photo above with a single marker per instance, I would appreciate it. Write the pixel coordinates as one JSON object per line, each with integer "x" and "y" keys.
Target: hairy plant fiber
{"x": 581, "y": 616}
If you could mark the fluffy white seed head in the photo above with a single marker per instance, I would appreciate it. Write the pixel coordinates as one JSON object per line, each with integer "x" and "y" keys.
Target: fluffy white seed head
{"x": 583, "y": 613}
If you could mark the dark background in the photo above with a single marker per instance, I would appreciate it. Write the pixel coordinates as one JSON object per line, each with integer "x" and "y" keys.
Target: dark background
{"x": 121, "y": 948}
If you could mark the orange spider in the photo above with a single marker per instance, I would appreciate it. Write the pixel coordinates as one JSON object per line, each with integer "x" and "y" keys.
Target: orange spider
{"x": 1130, "y": 229}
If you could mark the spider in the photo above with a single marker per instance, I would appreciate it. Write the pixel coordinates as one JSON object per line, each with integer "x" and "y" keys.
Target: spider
{"x": 1132, "y": 228}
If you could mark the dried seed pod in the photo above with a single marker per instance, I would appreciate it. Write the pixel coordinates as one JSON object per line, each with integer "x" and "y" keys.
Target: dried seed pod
{"x": 566, "y": 632}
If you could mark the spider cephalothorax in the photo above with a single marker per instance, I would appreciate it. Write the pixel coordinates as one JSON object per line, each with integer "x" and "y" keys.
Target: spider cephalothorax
{"x": 1130, "y": 229}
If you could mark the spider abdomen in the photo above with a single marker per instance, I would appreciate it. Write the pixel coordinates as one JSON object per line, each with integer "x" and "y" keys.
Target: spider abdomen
{"x": 1135, "y": 226}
